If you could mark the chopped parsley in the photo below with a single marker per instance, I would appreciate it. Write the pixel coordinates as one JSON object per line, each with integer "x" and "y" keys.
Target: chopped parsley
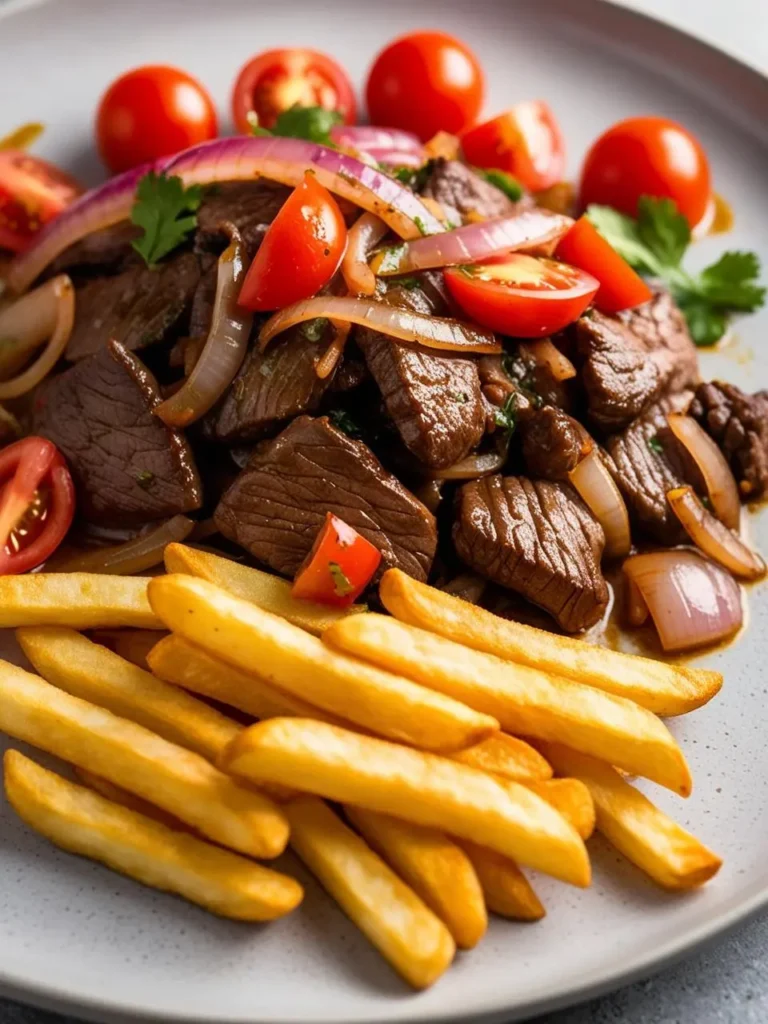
{"x": 415, "y": 177}
{"x": 311, "y": 123}
{"x": 419, "y": 222}
{"x": 389, "y": 258}
{"x": 341, "y": 584}
{"x": 506, "y": 416}
{"x": 344, "y": 422}
{"x": 655, "y": 445}
{"x": 167, "y": 211}
{"x": 144, "y": 478}
{"x": 510, "y": 186}
{"x": 407, "y": 282}
{"x": 461, "y": 397}
{"x": 314, "y": 330}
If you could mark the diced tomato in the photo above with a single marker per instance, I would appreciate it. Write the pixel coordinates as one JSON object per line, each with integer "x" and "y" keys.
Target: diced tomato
{"x": 300, "y": 252}
{"x": 522, "y": 296}
{"x": 525, "y": 141}
{"x": 32, "y": 192}
{"x": 339, "y": 567}
{"x": 620, "y": 286}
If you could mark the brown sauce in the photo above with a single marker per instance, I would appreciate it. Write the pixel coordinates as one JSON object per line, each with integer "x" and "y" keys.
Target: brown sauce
{"x": 722, "y": 219}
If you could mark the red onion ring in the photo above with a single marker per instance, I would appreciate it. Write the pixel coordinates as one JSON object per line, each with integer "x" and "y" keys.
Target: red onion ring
{"x": 326, "y": 364}
{"x": 368, "y": 137}
{"x": 367, "y": 231}
{"x": 713, "y": 537}
{"x": 472, "y": 467}
{"x": 713, "y": 466}
{"x": 133, "y": 557}
{"x": 548, "y": 356}
{"x": 599, "y": 491}
{"x": 60, "y": 291}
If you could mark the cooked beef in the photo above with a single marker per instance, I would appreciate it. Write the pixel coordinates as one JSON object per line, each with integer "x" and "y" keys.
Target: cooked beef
{"x": 128, "y": 467}
{"x": 649, "y": 462}
{"x": 352, "y": 374}
{"x": 201, "y": 311}
{"x": 537, "y": 538}
{"x": 139, "y": 307}
{"x": 536, "y": 379}
{"x": 661, "y": 327}
{"x": 739, "y": 424}
{"x": 105, "y": 251}
{"x": 498, "y": 388}
{"x": 455, "y": 185}
{"x": 250, "y": 205}
{"x": 279, "y": 501}
{"x": 553, "y": 443}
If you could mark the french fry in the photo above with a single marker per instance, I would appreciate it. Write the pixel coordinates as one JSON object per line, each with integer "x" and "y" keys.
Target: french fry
{"x": 241, "y": 634}
{"x": 80, "y": 600}
{"x": 656, "y": 685}
{"x": 121, "y": 796}
{"x": 74, "y": 663}
{"x": 405, "y": 931}
{"x": 177, "y": 780}
{"x": 86, "y": 823}
{"x": 413, "y": 785}
{"x": 262, "y": 588}
{"x": 523, "y": 699}
{"x": 132, "y": 644}
{"x": 437, "y": 870}
{"x": 508, "y": 756}
{"x": 506, "y": 890}
{"x": 571, "y": 797}
{"x": 637, "y": 828}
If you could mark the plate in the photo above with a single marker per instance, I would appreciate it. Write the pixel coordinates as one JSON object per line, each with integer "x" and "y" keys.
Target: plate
{"x": 76, "y": 937}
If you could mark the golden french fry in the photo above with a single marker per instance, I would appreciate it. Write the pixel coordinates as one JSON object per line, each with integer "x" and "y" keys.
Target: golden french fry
{"x": 80, "y": 600}
{"x": 132, "y": 644}
{"x": 523, "y": 699}
{"x": 87, "y": 670}
{"x": 437, "y": 870}
{"x": 86, "y": 823}
{"x": 571, "y": 797}
{"x": 405, "y": 931}
{"x": 413, "y": 785}
{"x": 506, "y": 890}
{"x": 636, "y": 827}
{"x": 262, "y": 588}
{"x": 241, "y": 634}
{"x": 121, "y": 796}
{"x": 177, "y": 780}
{"x": 657, "y": 686}
{"x": 508, "y": 756}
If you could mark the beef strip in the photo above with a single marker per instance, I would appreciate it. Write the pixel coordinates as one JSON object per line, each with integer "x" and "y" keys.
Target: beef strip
{"x": 498, "y": 388}
{"x": 553, "y": 443}
{"x": 250, "y": 205}
{"x": 739, "y": 424}
{"x": 279, "y": 501}
{"x": 104, "y": 251}
{"x": 537, "y": 538}
{"x": 453, "y": 184}
{"x": 128, "y": 467}
{"x": 661, "y": 327}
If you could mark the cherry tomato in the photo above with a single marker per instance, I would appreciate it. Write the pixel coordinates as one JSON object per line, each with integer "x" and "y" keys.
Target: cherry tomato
{"x": 32, "y": 192}
{"x": 525, "y": 141}
{"x": 37, "y": 503}
{"x": 620, "y": 286}
{"x": 301, "y": 251}
{"x": 150, "y": 112}
{"x": 425, "y": 82}
{"x": 339, "y": 567}
{"x": 649, "y": 156}
{"x": 276, "y": 80}
{"x": 522, "y": 296}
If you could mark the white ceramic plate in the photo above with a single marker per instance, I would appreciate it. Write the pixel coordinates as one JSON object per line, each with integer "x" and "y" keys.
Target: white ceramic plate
{"x": 74, "y": 936}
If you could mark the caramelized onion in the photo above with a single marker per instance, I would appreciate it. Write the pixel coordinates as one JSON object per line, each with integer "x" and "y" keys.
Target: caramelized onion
{"x": 636, "y": 608}
{"x": 135, "y": 556}
{"x": 367, "y": 231}
{"x": 718, "y": 478}
{"x": 598, "y": 489}
{"x": 713, "y": 537}
{"x": 549, "y": 357}
{"x": 326, "y": 364}
{"x": 46, "y": 313}
{"x": 472, "y": 467}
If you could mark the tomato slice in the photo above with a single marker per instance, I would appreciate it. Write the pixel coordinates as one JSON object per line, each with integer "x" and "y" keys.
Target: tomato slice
{"x": 339, "y": 567}
{"x": 620, "y": 286}
{"x": 522, "y": 296}
{"x": 32, "y": 192}
{"x": 525, "y": 141}
{"x": 276, "y": 80}
{"x": 301, "y": 250}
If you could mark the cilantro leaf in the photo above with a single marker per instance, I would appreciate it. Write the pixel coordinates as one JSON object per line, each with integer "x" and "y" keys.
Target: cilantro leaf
{"x": 622, "y": 232}
{"x": 732, "y": 281}
{"x": 167, "y": 211}
{"x": 662, "y": 229}
{"x": 706, "y": 324}
{"x": 344, "y": 422}
{"x": 253, "y": 121}
{"x": 506, "y": 416}
{"x": 311, "y": 123}
{"x": 510, "y": 186}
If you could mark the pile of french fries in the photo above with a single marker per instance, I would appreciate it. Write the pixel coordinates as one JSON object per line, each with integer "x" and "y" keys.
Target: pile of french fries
{"x": 416, "y": 762}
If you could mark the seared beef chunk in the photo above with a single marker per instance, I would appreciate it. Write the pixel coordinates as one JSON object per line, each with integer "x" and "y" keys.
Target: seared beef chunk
{"x": 536, "y": 379}
{"x": 661, "y": 327}
{"x": 455, "y": 185}
{"x": 739, "y": 424}
{"x": 137, "y": 308}
{"x": 648, "y": 462}
{"x": 538, "y": 539}
{"x": 101, "y": 252}
{"x": 553, "y": 443}
{"x": 498, "y": 388}
{"x": 279, "y": 502}
{"x": 128, "y": 467}
{"x": 250, "y": 205}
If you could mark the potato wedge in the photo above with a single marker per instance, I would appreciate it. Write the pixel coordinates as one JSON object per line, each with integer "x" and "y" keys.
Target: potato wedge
{"x": 262, "y": 588}
{"x": 508, "y": 756}
{"x": 636, "y": 827}
{"x": 243, "y": 635}
{"x": 405, "y": 931}
{"x": 657, "y": 686}
{"x": 571, "y": 797}
{"x": 121, "y": 796}
{"x": 506, "y": 890}
{"x": 413, "y": 785}
{"x": 524, "y": 700}
{"x": 437, "y": 870}
{"x": 80, "y": 600}
{"x": 86, "y": 823}
{"x": 74, "y": 663}
{"x": 177, "y": 780}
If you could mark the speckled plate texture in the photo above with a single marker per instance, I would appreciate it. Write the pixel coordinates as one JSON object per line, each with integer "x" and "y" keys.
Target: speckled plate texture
{"x": 74, "y": 936}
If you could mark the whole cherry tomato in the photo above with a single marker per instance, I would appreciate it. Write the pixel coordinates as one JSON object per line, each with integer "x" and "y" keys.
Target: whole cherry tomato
{"x": 339, "y": 567}
{"x": 32, "y": 192}
{"x": 525, "y": 141}
{"x": 620, "y": 286}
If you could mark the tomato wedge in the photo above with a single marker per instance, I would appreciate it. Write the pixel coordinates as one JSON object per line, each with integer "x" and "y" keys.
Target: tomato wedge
{"x": 301, "y": 250}
{"x": 525, "y": 141}
{"x": 522, "y": 296}
{"x": 339, "y": 567}
{"x": 37, "y": 503}
{"x": 620, "y": 286}
{"x": 32, "y": 192}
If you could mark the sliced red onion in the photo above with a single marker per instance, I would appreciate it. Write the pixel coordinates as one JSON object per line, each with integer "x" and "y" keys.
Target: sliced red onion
{"x": 692, "y": 601}
{"x": 713, "y": 537}
{"x": 599, "y": 491}
{"x": 431, "y": 331}
{"x": 368, "y": 137}
{"x": 367, "y": 231}
{"x": 60, "y": 291}
{"x": 636, "y": 608}
{"x": 472, "y": 467}
{"x": 25, "y": 323}
{"x": 131, "y": 558}
{"x": 326, "y": 364}
{"x": 713, "y": 466}
{"x": 395, "y": 158}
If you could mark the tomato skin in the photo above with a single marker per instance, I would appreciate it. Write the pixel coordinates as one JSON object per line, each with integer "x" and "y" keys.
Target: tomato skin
{"x": 525, "y": 141}
{"x": 301, "y": 250}
{"x": 338, "y": 568}
{"x": 425, "y": 82}
{"x": 275, "y": 80}
{"x": 521, "y": 296}
{"x": 620, "y": 286}
{"x": 151, "y": 112}
{"x": 32, "y": 192}
{"x": 650, "y": 156}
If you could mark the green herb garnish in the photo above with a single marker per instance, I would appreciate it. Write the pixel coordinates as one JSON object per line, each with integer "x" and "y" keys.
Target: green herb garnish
{"x": 314, "y": 330}
{"x": 419, "y": 222}
{"x": 344, "y": 422}
{"x": 461, "y": 397}
{"x": 167, "y": 211}
{"x": 408, "y": 283}
{"x": 510, "y": 186}
{"x": 341, "y": 584}
{"x": 655, "y": 445}
{"x": 144, "y": 478}
{"x": 506, "y": 416}
{"x": 311, "y": 123}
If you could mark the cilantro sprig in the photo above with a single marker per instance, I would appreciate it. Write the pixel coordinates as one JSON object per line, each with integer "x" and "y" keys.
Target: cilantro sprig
{"x": 509, "y": 185}
{"x": 655, "y": 244}
{"x": 311, "y": 123}
{"x": 167, "y": 211}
